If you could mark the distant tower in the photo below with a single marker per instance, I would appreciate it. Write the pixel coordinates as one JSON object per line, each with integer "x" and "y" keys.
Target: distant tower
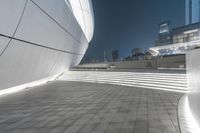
{"x": 165, "y": 34}
{"x": 192, "y": 11}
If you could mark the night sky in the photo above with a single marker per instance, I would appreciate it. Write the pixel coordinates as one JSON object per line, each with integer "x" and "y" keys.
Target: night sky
{"x": 128, "y": 24}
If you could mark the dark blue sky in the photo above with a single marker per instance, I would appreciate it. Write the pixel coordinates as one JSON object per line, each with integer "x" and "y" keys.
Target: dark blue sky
{"x": 127, "y": 24}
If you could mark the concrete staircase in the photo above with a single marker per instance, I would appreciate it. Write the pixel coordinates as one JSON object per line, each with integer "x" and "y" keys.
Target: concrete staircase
{"x": 152, "y": 80}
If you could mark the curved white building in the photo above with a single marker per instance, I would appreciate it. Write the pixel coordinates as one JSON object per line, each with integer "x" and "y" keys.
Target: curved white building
{"x": 42, "y": 38}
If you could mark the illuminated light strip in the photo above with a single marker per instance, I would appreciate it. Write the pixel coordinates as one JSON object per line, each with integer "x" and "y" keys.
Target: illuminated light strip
{"x": 160, "y": 81}
{"x": 136, "y": 84}
{"x": 134, "y": 75}
{"x": 27, "y": 85}
{"x": 177, "y": 83}
{"x": 131, "y": 85}
{"x": 140, "y": 78}
{"x": 120, "y": 76}
{"x": 163, "y": 68}
{"x": 155, "y": 84}
{"x": 153, "y": 88}
{"x": 125, "y": 83}
{"x": 187, "y": 121}
{"x": 165, "y": 81}
{"x": 180, "y": 77}
{"x": 125, "y": 73}
{"x": 160, "y": 73}
{"x": 108, "y": 75}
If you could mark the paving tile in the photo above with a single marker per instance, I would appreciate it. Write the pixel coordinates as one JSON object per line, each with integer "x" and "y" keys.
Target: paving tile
{"x": 58, "y": 129}
{"x": 75, "y": 107}
{"x": 141, "y": 130}
{"x": 126, "y": 130}
{"x": 155, "y": 130}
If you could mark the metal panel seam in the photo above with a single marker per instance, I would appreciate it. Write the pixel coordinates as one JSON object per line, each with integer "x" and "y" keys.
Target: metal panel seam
{"x": 15, "y": 29}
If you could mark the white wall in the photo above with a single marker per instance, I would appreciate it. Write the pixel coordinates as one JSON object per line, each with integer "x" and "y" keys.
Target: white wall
{"x": 38, "y": 38}
{"x": 193, "y": 73}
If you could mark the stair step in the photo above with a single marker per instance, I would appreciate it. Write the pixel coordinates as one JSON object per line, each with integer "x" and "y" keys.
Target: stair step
{"x": 162, "y": 81}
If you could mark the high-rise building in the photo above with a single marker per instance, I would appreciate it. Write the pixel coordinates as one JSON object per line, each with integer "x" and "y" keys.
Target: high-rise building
{"x": 192, "y": 11}
{"x": 164, "y": 35}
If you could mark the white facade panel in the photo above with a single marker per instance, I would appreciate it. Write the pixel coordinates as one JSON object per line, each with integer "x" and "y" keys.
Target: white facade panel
{"x": 45, "y": 40}
{"x": 45, "y": 32}
{"x": 57, "y": 10}
{"x": 3, "y": 43}
{"x": 10, "y": 15}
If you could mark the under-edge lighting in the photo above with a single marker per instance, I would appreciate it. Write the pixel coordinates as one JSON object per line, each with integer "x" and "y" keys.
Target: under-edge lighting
{"x": 27, "y": 85}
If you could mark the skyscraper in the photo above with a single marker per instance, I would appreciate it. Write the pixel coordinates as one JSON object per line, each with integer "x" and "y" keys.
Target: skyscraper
{"x": 192, "y": 11}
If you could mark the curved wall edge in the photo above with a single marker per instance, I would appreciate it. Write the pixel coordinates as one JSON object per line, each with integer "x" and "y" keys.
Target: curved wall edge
{"x": 187, "y": 121}
{"x": 189, "y": 106}
{"x": 39, "y": 39}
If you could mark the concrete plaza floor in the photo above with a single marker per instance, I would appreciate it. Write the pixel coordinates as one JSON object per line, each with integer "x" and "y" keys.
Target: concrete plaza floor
{"x": 74, "y": 107}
